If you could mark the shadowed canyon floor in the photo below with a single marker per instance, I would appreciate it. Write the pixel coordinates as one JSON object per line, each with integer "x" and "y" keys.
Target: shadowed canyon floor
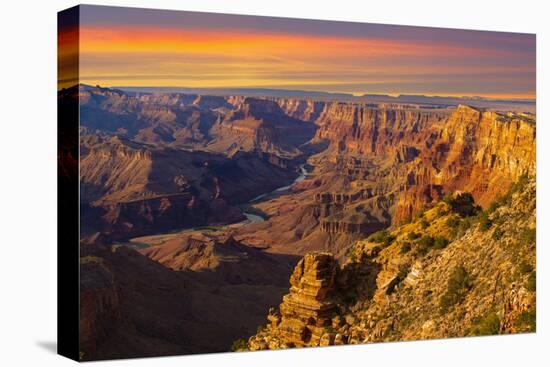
{"x": 196, "y": 209}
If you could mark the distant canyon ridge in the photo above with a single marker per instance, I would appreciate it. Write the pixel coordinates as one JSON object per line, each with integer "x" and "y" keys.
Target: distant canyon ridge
{"x": 159, "y": 162}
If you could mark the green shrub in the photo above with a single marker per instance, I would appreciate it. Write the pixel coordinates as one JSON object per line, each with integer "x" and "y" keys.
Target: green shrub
{"x": 424, "y": 245}
{"x": 382, "y": 236}
{"x": 527, "y": 321}
{"x": 458, "y": 285}
{"x": 440, "y": 243}
{"x": 463, "y": 204}
{"x": 413, "y": 236}
{"x": 525, "y": 268}
{"x": 531, "y": 283}
{"x": 487, "y": 325}
{"x": 484, "y": 221}
{"x": 465, "y": 224}
{"x": 239, "y": 345}
{"x": 405, "y": 247}
{"x": 453, "y": 222}
{"x": 424, "y": 223}
{"x": 427, "y": 243}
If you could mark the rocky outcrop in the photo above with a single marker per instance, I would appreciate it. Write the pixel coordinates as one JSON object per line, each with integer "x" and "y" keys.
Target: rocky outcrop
{"x": 342, "y": 198}
{"x": 307, "y": 310}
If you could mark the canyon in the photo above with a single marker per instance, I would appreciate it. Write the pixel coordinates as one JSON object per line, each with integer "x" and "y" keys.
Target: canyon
{"x": 168, "y": 180}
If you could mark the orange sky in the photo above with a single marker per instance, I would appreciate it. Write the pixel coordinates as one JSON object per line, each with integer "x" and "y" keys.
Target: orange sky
{"x": 232, "y": 54}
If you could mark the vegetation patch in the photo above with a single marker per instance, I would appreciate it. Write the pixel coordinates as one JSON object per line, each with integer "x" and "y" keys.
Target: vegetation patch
{"x": 413, "y": 236}
{"x": 527, "y": 321}
{"x": 484, "y": 221}
{"x": 457, "y": 287}
{"x": 424, "y": 223}
{"x": 486, "y": 325}
{"x": 453, "y": 222}
{"x": 427, "y": 243}
{"x": 382, "y": 236}
{"x": 405, "y": 247}
{"x": 463, "y": 204}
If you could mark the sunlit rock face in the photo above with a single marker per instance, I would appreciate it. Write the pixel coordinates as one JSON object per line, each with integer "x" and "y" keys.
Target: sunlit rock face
{"x": 307, "y": 309}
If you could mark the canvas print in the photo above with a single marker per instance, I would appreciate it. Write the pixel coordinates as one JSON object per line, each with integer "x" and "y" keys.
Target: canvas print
{"x": 243, "y": 183}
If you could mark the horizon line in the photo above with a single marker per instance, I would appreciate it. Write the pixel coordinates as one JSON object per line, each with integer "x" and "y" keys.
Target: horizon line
{"x": 335, "y": 93}
{"x": 486, "y": 97}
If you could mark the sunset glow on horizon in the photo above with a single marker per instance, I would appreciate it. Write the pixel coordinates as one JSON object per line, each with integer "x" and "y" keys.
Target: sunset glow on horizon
{"x": 153, "y": 48}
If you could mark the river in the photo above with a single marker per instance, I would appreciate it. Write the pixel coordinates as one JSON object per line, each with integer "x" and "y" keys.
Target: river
{"x": 254, "y": 218}
{"x": 251, "y": 218}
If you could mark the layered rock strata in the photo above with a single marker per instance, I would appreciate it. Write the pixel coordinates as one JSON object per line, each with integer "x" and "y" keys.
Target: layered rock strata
{"x": 308, "y": 308}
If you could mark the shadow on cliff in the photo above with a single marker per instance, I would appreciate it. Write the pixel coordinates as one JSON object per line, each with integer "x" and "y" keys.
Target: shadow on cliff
{"x": 357, "y": 281}
{"x": 156, "y": 311}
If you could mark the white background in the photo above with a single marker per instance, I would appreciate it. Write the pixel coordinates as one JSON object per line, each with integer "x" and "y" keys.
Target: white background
{"x": 28, "y": 181}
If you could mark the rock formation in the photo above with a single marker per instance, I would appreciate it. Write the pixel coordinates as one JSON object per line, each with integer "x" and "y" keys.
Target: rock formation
{"x": 307, "y": 310}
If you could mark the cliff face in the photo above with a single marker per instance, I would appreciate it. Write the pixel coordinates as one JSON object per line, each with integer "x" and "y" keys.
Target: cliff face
{"x": 479, "y": 152}
{"x": 470, "y": 150}
{"x": 446, "y": 274}
{"x": 260, "y": 124}
{"x": 360, "y": 130}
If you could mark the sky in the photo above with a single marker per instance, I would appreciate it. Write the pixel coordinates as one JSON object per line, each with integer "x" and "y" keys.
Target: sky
{"x": 158, "y": 48}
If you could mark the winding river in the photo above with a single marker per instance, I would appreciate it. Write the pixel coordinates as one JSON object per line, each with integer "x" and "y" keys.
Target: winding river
{"x": 254, "y": 218}
{"x": 251, "y": 218}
